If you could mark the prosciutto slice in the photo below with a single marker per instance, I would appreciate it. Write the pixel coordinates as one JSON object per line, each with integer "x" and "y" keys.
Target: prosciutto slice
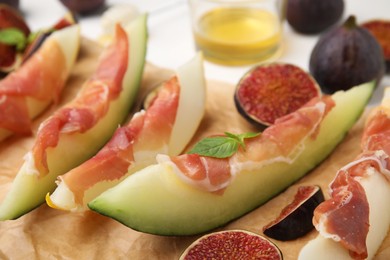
{"x": 42, "y": 77}
{"x": 91, "y": 103}
{"x": 147, "y": 131}
{"x": 282, "y": 141}
{"x": 345, "y": 216}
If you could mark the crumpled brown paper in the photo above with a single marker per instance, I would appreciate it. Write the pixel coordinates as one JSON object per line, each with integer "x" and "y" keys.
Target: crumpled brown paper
{"x": 46, "y": 233}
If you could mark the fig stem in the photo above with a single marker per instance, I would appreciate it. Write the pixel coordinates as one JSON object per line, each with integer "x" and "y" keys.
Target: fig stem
{"x": 350, "y": 23}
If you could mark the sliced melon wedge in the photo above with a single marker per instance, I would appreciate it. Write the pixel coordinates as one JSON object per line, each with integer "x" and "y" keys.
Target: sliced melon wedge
{"x": 192, "y": 101}
{"x": 377, "y": 190}
{"x": 375, "y": 183}
{"x": 68, "y": 40}
{"x": 192, "y": 104}
{"x": 30, "y": 186}
{"x": 156, "y": 200}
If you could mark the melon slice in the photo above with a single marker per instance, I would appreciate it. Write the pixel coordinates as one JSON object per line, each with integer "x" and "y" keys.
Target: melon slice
{"x": 45, "y": 72}
{"x": 78, "y": 130}
{"x": 164, "y": 127}
{"x": 156, "y": 199}
{"x": 376, "y": 188}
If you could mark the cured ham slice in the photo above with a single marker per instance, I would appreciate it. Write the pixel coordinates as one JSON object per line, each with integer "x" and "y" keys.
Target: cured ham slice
{"x": 136, "y": 144}
{"x": 148, "y": 132}
{"x": 281, "y": 142}
{"x": 76, "y": 131}
{"x": 192, "y": 194}
{"x": 89, "y": 106}
{"x": 26, "y": 92}
{"x": 350, "y": 216}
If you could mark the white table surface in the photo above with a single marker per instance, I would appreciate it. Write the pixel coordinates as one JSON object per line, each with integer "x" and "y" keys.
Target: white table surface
{"x": 170, "y": 41}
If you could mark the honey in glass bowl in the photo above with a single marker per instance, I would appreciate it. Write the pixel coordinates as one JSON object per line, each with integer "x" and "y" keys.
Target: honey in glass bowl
{"x": 237, "y": 32}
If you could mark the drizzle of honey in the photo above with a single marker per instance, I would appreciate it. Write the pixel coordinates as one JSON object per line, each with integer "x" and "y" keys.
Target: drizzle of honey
{"x": 238, "y": 36}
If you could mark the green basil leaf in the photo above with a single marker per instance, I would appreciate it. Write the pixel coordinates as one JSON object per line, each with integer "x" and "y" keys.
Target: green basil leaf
{"x": 221, "y": 146}
{"x": 243, "y": 136}
{"x": 14, "y": 37}
{"x": 218, "y": 147}
{"x": 248, "y": 135}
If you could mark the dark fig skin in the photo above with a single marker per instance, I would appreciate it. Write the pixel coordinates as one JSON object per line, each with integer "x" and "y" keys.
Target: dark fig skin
{"x": 295, "y": 222}
{"x": 313, "y": 17}
{"x": 83, "y": 6}
{"x": 346, "y": 56}
{"x": 13, "y": 3}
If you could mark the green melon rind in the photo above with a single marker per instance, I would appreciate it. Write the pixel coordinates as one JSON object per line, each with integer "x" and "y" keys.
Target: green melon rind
{"x": 27, "y": 191}
{"x": 192, "y": 94}
{"x": 154, "y": 200}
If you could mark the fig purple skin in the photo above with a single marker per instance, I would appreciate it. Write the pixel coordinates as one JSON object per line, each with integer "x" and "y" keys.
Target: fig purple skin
{"x": 346, "y": 56}
{"x": 295, "y": 220}
{"x": 83, "y": 6}
{"x": 311, "y": 17}
{"x": 13, "y": 3}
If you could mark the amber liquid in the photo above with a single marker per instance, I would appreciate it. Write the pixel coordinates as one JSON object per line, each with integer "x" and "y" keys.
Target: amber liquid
{"x": 238, "y": 36}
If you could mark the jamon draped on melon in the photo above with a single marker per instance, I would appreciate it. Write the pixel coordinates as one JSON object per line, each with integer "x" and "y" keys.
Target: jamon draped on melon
{"x": 354, "y": 221}
{"x": 191, "y": 194}
{"x": 78, "y": 130}
{"x": 165, "y": 127}
{"x": 26, "y": 92}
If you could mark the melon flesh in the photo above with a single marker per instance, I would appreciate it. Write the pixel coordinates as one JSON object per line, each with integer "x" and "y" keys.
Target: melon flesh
{"x": 155, "y": 200}
{"x": 377, "y": 190}
{"x": 27, "y": 190}
{"x": 192, "y": 101}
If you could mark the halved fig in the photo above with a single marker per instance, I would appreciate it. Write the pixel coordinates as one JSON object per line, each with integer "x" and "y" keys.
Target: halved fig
{"x": 381, "y": 31}
{"x": 232, "y": 244}
{"x": 268, "y": 92}
{"x": 8, "y": 58}
{"x": 295, "y": 220}
{"x": 10, "y": 18}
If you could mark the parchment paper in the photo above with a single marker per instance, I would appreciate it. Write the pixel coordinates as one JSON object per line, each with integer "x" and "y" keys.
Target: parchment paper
{"x": 46, "y": 233}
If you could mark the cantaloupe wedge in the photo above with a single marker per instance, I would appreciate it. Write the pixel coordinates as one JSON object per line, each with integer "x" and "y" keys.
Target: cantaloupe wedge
{"x": 75, "y": 132}
{"x": 376, "y": 188}
{"x": 160, "y": 200}
{"x": 165, "y": 127}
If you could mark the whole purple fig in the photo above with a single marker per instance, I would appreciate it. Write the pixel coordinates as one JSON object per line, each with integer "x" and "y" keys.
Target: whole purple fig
{"x": 83, "y": 6}
{"x": 311, "y": 16}
{"x": 12, "y": 3}
{"x": 346, "y": 56}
